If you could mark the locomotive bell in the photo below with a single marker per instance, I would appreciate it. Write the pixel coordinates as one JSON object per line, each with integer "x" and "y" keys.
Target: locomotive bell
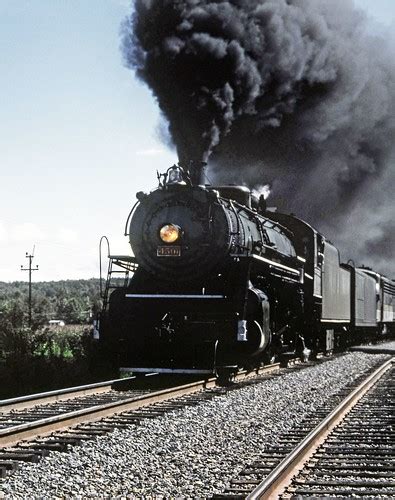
{"x": 175, "y": 175}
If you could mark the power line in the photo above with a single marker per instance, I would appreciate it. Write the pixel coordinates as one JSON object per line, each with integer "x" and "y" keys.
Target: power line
{"x": 30, "y": 269}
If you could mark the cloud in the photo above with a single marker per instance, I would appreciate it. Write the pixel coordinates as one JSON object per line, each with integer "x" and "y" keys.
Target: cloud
{"x": 150, "y": 152}
{"x": 66, "y": 235}
{"x": 3, "y": 232}
{"x": 122, "y": 3}
{"x": 27, "y": 232}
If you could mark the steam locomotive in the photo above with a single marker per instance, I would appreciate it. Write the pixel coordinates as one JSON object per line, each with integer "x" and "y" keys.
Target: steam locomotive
{"x": 218, "y": 282}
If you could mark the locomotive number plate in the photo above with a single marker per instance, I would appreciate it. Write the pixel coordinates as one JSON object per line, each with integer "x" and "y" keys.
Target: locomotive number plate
{"x": 173, "y": 251}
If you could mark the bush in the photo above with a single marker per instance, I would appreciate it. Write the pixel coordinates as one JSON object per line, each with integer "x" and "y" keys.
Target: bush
{"x": 38, "y": 358}
{"x": 44, "y": 359}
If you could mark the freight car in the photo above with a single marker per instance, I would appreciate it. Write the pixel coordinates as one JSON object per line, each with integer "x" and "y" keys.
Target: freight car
{"x": 217, "y": 282}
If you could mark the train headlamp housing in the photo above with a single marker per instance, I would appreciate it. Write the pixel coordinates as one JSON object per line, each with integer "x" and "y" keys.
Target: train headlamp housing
{"x": 169, "y": 233}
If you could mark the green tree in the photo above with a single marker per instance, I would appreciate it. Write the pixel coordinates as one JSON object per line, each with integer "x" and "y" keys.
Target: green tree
{"x": 15, "y": 344}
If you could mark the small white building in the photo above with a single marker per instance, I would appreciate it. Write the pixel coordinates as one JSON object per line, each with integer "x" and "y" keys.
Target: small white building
{"x": 56, "y": 322}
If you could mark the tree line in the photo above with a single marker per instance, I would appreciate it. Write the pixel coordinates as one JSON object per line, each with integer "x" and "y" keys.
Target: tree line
{"x": 73, "y": 301}
{"x": 37, "y": 357}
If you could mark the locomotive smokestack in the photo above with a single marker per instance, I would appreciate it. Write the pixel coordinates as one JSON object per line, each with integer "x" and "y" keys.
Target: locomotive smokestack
{"x": 196, "y": 171}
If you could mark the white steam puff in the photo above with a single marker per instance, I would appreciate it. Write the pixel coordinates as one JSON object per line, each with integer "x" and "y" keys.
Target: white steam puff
{"x": 296, "y": 85}
{"x": 259, "y": 191}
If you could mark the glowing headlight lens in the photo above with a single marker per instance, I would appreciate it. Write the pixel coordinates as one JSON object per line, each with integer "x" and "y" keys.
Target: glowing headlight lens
{"x": 169, "y": 233}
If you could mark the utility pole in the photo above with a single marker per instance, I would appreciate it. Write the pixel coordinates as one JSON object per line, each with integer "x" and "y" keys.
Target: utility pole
{"x": 30, "y": 269}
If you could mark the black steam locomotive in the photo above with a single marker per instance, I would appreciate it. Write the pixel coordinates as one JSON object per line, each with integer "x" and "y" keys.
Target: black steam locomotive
{"x": 218, "y": 282}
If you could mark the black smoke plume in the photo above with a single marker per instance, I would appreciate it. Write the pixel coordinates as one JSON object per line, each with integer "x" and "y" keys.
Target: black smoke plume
{"x": 293, "y": 93}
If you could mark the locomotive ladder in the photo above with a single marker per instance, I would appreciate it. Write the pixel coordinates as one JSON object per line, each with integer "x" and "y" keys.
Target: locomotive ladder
{"x": 119, "y": 269}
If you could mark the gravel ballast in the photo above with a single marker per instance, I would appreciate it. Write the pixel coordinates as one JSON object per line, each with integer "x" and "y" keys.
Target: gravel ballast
{"x": 192, "y": 452}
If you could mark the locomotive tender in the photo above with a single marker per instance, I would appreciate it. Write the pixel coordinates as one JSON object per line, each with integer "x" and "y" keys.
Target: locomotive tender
{"x": 217, "y": 282}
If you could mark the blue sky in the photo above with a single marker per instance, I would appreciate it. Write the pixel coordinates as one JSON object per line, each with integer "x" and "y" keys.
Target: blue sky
{"x": 78, "y": 133}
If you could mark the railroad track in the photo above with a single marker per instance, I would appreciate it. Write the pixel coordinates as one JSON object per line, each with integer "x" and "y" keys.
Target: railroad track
{"x": 343, "y": 452}
{"x": 41, "y": 419}
{"x": 23, "y": 402}
{"x": 30, "y": 429}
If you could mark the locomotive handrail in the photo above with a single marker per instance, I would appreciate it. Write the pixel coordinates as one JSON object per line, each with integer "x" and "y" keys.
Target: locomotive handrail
{"x": 129, "y": 216}
{"x": 231, "y": 204}
{"x": 256, "y": 215}
{"x": 100, "y": 266}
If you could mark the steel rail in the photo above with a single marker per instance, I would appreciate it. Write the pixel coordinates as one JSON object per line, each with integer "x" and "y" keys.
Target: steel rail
{"x": 273, "y": 485}
{"x": 22, "y": 402}
{"x": 42, "y": 427}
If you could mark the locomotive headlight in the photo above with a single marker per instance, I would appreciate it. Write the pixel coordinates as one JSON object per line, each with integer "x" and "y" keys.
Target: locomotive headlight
{"x": 169, "y": 233}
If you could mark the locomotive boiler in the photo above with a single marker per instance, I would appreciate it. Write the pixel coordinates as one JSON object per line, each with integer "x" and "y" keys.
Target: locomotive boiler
{"x": 217, "y": 282}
